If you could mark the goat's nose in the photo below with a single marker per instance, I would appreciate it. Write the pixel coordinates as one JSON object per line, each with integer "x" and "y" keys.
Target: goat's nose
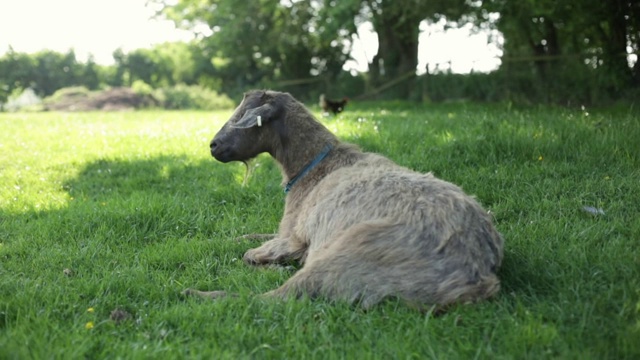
{"x": 213, "y": 144}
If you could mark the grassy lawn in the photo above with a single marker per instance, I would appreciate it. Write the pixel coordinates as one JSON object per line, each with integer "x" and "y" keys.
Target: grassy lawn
{"x": 121, "y": 211}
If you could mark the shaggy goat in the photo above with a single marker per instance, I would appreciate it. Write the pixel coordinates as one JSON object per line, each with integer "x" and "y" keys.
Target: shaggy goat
{"x": 363, "y": 227}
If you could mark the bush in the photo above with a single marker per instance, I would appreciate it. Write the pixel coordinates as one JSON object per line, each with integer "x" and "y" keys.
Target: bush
{"x": 139, "y": 96}
{"x": 192, "y": 97}
{"x": 69, "y": 99}
{"x": 81, "y": 99}
{"x": 142, "y": 88}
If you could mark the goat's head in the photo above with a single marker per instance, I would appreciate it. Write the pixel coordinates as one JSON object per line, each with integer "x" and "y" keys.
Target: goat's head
{"x": 253, "y": 127}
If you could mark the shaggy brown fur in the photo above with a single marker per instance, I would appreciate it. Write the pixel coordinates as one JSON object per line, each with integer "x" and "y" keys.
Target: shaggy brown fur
{"x": 363, "y": 227}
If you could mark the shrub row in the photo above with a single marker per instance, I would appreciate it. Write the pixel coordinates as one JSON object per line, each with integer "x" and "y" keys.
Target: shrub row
{"x": 138, "y": 96}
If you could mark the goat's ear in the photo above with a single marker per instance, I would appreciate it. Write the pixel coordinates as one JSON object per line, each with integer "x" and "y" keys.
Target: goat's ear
{"x": 255, "y": 117}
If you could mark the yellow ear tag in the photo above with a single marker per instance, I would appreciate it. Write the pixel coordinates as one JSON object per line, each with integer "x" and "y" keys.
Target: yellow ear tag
{"x": 259, "y": 120}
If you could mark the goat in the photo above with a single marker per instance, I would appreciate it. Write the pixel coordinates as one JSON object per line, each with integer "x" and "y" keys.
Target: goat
{"x": 363, "y": 228}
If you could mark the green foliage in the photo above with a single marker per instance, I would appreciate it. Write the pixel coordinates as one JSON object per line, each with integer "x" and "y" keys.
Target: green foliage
{"x": 443, "y": 87}
{"x": 77, "y": 92}
{"x": 141, "y": 87}
{"x": 265, "y": 42}
{"x": 558, "y": 52}
{"x": 567, "y": 45}
{"x": 164, "y": 65}
{"x": 192, "y": 97}
{"x": 44, "y": 72}
{"x": 134, "y": 208}
{"x": 513, "y": 82}
{"x": 15, "y": 73}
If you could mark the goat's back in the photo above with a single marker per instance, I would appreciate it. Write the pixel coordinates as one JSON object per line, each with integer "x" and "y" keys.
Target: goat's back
{"x": 437, "y": 219}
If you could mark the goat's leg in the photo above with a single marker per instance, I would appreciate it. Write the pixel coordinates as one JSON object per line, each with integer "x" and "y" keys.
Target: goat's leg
{"x": 333, "y": 280}
{"x": 272, "y": 252}
{"x": 361, "y": 267}
{"x": 357, "y": 266}
{"x": 276, "y": 251}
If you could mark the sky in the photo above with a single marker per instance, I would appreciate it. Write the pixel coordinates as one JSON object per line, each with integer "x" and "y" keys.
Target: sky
{"x": 460, "y": 50}
{"x": 99, "y": 27}
{"x": 88, "y": 26}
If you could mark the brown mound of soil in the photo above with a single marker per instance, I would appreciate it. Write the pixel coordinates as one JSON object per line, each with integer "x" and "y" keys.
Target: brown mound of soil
{"x": 108, "y": 100}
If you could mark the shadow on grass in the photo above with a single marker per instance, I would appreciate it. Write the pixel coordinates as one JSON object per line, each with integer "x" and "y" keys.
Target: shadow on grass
{"x": 144, "y": 201}
{"x": 135, "y": 230}
{"x": 165, "y": 176}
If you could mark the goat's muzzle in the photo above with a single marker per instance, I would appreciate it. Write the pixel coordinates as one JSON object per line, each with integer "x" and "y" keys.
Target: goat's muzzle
{"x": 215, "y": 149}
{"x": 213, "y": 145}
{"x": 220, "y": 152}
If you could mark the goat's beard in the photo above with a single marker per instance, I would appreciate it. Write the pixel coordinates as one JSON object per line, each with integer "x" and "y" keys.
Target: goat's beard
{"x": 248, "y": 170}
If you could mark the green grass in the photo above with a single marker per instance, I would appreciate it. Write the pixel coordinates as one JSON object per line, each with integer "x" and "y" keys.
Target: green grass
{"x": 135, "y": 207}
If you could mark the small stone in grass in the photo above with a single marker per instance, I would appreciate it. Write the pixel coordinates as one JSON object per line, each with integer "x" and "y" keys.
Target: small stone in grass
{"x": 67, "y": 272}
{"x": 593, "y": 211}
{"x": 119, "y": 315}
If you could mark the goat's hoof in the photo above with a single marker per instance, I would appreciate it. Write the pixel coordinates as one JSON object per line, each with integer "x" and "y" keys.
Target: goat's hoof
{"x": 249, "y": 260}
{"x": 252, "y": 258}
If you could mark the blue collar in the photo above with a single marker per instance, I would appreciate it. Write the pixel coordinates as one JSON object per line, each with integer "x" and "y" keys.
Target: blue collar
{"x": 308, "y": 168}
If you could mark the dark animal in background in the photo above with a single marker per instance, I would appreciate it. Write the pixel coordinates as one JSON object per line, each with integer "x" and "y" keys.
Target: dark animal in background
{"x": 333, "y": 106}
{"x": 363, "y": 227}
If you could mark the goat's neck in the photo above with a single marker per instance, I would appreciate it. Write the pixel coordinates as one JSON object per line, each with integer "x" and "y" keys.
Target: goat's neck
{"x": 300, "y": 141}
{"x": 295, "y": 155}
{"x": 296, "y": 160}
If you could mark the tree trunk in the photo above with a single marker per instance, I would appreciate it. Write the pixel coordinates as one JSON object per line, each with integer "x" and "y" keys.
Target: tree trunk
{"x": 616, "y": 43}
{"x": 546, "y": 56}
{"x": 397, "y": 52}
{"x": 634, "y": 32}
